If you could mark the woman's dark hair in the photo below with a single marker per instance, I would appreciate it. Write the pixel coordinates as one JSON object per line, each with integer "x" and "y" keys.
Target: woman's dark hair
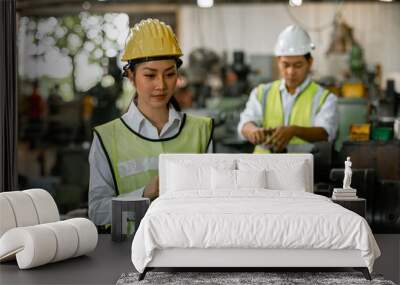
{"x": 308, "y": 56}
{"x": 175, "y": 104}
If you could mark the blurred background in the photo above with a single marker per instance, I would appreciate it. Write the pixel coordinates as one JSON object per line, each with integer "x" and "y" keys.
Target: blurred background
{"x": 69, "y": 80}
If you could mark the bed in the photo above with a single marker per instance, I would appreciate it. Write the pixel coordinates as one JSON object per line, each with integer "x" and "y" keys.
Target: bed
{"x": 246, "y": 211}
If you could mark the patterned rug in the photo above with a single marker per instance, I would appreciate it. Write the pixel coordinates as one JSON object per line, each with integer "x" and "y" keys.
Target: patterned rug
{"x": 243, "y": 278}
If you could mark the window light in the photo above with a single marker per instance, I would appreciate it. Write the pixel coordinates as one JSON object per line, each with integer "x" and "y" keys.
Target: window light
{"x": 295, "y": 3}
{"x": 205, "y": 3}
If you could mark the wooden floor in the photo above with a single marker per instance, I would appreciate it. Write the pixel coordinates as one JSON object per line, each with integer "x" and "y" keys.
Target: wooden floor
{"x": 389, "y": 262}
{"x": 106, "y": 264}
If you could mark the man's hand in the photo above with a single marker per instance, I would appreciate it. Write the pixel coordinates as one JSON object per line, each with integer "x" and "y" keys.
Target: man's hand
{"x": 254, "y": 134}
{"x": 281, "y": 137}
{"x": 152, "y": 189}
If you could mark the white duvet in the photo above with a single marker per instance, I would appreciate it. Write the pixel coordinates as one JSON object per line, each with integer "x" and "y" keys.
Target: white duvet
{"x": 253, "y": 218}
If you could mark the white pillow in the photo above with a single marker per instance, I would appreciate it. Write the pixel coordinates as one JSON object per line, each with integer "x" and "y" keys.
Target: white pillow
{"x": 251, "y": 178}
{"x": 282, "y": 174}
{"x": 183, "y": 178}
{"x": 200, "y": 160}
{"x": 193, "y": 175}
{"x": 226, "y": 179}
{"x": 223, "y": 179}
{"x": 293, "y": 180}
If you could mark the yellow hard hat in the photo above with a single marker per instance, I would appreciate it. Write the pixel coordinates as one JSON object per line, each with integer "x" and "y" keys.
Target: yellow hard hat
{"x": 151, "y": 38}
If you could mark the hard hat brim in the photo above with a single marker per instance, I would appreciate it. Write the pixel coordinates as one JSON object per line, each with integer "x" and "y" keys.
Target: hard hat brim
{"x": 153, "y": 58}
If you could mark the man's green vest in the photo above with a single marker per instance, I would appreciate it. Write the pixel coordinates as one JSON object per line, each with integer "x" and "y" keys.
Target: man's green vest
{"x": 133, "y": 159}
{"x": 306, "y": 104}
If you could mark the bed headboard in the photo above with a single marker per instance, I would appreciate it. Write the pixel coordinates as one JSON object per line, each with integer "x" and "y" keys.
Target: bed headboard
{"x": 288, "y": 162}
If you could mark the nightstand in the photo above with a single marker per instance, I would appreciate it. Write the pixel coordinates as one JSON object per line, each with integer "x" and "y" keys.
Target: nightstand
{"x": 357, "y": 205}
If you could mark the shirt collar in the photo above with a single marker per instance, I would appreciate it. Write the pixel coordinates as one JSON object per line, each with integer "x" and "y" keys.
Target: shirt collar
{"x": 135, "y": 119}
{"x": 299, "y": 88}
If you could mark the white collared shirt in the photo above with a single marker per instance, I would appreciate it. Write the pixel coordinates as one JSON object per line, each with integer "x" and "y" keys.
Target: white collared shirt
{"x": 326, "y": 118}
{"x": 101, "y": 184}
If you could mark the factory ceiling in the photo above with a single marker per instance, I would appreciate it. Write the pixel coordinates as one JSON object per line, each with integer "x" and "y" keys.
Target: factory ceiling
{"x": 54, "y": 7}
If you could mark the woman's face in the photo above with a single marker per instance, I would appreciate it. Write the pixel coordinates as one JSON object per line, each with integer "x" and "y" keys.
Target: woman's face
{"x": 155, "y": 82}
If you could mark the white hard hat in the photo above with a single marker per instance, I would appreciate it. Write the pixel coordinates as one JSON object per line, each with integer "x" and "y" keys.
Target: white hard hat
{"x": 293, "y": 41}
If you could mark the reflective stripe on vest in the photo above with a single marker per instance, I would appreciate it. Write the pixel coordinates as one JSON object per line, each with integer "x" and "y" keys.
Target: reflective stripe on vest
{"x": 306, "y": 105}
{"x": 133, "y": 159}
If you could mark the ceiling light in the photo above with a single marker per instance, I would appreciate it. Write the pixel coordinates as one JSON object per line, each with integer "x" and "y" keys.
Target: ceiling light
{"x": 386, "y": 0}
{"x": 295, "y": 3}
{"x": 205, "y": 3}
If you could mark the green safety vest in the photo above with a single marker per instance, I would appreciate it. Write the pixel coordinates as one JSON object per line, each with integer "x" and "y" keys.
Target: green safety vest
{"x": 305, "y": 105}
{"x": 133, "y": 159}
